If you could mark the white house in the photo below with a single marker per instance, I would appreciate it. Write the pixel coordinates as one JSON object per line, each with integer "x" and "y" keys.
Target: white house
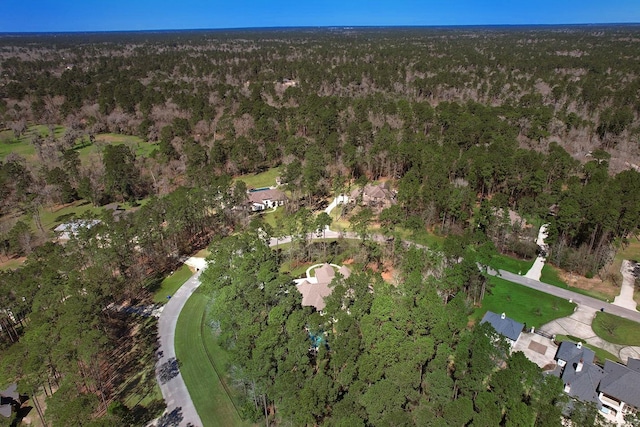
{"x": 267, "y": 198}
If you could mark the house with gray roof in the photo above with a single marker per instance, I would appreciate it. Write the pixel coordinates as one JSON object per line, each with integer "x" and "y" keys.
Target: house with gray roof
{"x": 504, "y": 325}
{"x": 614, "y": 388}
{"x": 578, "y": 372}
{"x": 620, "y": 387}
{"x": 8, "y": 399}
{"x": 73, "y": 228}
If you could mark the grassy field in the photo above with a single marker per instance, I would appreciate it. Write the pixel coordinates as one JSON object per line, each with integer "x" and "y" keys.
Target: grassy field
{"x": 23, "y": 146}
{"x": 195, "y": 354}
{"x": 137, "y": 144}
{"x": 51, "y": 217}
{"x": 171, "y": 284}
{"x": 534, "y": 308}
{"x": 295, "y": 271}
{"x": 259, "y": 180}
{"x": 550, "y": 276}
{"x": 339, "y": 223}
{"x": 512, "y": 265}
{"x": 203, "y": 253}
{"x": 421, "y": 237}
{"x": 601, "y": 355}
{"x": 616, "y": 330}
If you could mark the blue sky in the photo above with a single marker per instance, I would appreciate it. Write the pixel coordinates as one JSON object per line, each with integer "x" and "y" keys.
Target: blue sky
{"x": 109, "y": 15}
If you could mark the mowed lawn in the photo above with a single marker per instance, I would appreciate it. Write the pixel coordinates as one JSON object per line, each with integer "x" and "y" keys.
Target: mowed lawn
{"x": 171, "y": 284}
{"x": 510, "y": 264}
{"x": 616, "y": 330}
{"x": 529, "y": 306}
{"x": 205, "y": 387}
{"x": 259, "y": 180}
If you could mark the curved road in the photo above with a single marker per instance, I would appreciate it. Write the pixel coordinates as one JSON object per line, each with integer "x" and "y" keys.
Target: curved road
{"x": 175, "y": 391}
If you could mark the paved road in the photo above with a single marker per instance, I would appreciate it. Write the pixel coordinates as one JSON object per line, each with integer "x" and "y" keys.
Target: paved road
{"x": 567, "y": 294}
{"x": 175, "y": 391}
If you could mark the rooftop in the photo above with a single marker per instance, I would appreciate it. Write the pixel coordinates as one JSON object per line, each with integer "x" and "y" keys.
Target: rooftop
{"x": 503, "y": 325}
{"x": 315, "y": 291}
{"x": 622, "y": 382}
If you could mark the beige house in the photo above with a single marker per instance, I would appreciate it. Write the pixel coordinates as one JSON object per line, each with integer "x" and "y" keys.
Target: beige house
{"x": 375, "y": 196}
{"x": 315, "y": 289}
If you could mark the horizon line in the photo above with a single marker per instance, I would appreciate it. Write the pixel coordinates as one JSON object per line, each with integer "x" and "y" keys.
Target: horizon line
{"x": 294, "y": 27}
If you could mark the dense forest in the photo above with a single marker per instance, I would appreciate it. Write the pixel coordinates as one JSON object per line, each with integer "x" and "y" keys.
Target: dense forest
{"x": 462, "y": 122}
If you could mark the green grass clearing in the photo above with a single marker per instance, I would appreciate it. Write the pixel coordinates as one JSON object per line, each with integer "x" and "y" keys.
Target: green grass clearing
{"x": 140, "y": 147}
{"x": 209, "y": 396}
{"x": 616, "y": 330}
{"x": 295, "y": 271}
{"x": 421, "y": 237}
{"x": 172, "y": 283}
{"x": 512, "y": 265}
{"x": 51, "y": 217}
{"x": 526, "y": 305}
{"x": 202, "y": 253}
{"x": 601, "y": 355}
{"x": 340, "y": 223}
{"x": 259, "y": 180}
{"x": 273, "y": 218}
{"x": 22, "y": 146}
{"x": 550, "y": 276}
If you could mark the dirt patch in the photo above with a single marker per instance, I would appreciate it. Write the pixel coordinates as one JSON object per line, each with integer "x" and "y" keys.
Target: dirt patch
{"x": 12, "y": 263}
{"x": 595, "y": 284}
{"x": 347, "y": 261}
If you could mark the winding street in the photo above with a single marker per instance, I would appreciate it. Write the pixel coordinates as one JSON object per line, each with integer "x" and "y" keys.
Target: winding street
{"x": 174, "y": 391}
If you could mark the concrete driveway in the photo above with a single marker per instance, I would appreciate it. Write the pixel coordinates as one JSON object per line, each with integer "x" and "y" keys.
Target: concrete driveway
{"x": 538, "y": 349}
{"x": 579, "y": 325}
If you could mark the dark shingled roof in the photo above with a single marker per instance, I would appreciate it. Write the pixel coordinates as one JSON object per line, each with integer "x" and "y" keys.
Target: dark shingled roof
{"x": 582, "y": 384}
{"x": 621, "y": 382}
{"x": 7, "y": 397}
{"x": 633, "y": 364}
{"x": 506, "y": 327}
{"x": 569, "y": 352}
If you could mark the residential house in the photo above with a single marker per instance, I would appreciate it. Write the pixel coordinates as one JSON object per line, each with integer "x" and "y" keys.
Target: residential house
{"x": 375, "y": 196}
{"x": 614, "y": 388}
{"x": 265, "y": 198}
{"x": 71, "y": 229}
{"x": 578, "y": 372}
{"x": 619, "y": 389}
{"x": 505, "y": 326}
{"x": 315, "y": 289}
{"x": 8, "y": 399}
